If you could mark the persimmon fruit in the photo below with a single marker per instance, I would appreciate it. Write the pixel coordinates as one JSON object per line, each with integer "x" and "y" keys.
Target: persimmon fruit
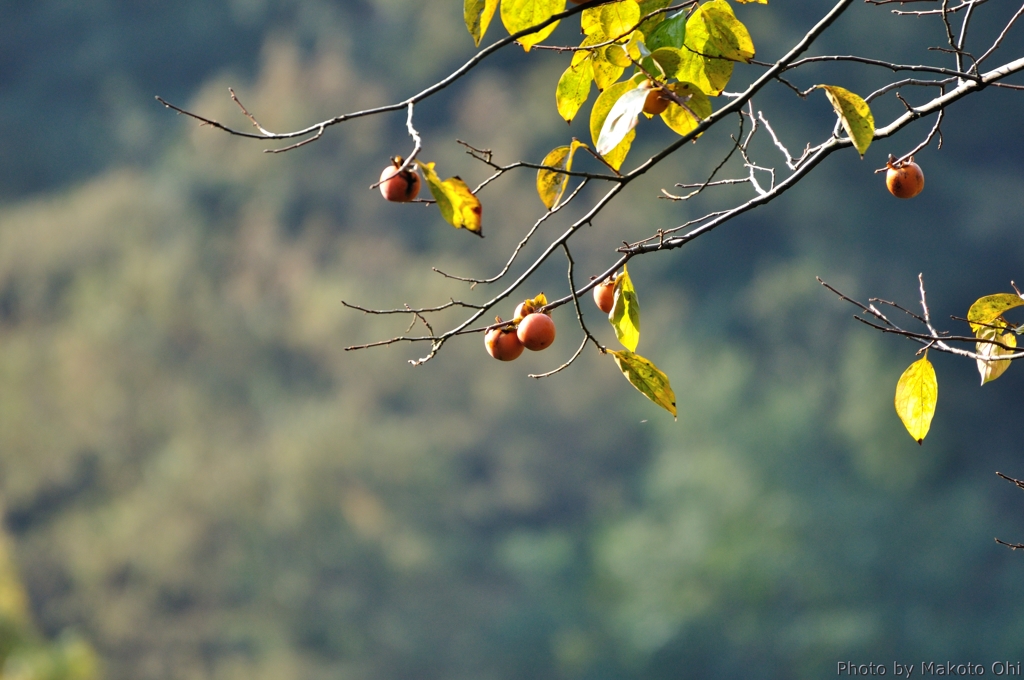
{"x": 503, "y": 344}
{"x": 604, "y": 295}
{"x": 656, "y": 101}
{"x": 399, "y": 187}
{"x": 536, "y": 331}
{"x": 904, "y": 180}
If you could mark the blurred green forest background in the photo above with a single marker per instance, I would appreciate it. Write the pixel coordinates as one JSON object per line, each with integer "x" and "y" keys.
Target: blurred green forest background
{"x": 196, "y": 481}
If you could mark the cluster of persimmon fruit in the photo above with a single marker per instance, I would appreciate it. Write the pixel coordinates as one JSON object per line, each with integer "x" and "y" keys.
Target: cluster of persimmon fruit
{"x": 530, "y": 329}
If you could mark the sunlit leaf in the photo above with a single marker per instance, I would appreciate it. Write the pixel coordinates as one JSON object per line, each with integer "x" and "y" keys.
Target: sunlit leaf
{"x": 478, "y": 17}
{"x": 617, "y": 55}
{"x": 726, "y": 34}
{"x": 670, "y": 33}
{"x": 989, "y": 308}
{"x": 681, "y": 119}
{"x": 760, "y": 2}
{"x": 990, "y": 370}
{"x": 647, "y": 378}
{"x": 458, "y": 206}
{"x": 518, "y": 15}
{"x": 625, "y": 314}
{"x": 605, "y": 72}
{"x": 916, "y": 396}
{"x": 855, "y": 115}
{"x": 551, "y": 184}
{"x": 621, "y": 119}
{"x": 574, "y": 87}
{"x": 599, "y": 113}
{"x": 710, "y": 75}
{"x": 617, "y": 18}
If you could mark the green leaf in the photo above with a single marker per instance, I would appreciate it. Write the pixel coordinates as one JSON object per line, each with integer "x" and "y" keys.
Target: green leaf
{"x": 621, "y": 119}
{"x": 600, "y": 112}
{"x": 670, "y": 33}
{"x": 459, "y": 207}
{"x": 478, "y": 17}
{"x": 648, "y": 6}
{"x": 518, "y": 15}
{"x": 647, "y": 378}
{"x": 989, "y": 308}
{"x": 917, "y": 392}
{"x": 625, "y": 314}
{"x": 574, "y": 87}
{"x": 681, "y": 120}
{"x": 990, "y": 370}
{"x": 855, "y": 115}
{"x": 551, "y": 184}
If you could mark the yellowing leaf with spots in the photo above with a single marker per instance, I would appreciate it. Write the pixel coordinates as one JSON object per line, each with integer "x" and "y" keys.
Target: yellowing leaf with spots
{"x": 683, "y": 119}
{"x": 459, "y": 207}
{"x": 855, "y": 115}
{"x": 625, "y": 314}
{"x": 647, "y": 378}
{"x": 989, "y": 308}
{"x": 574, "y": 86}
{"x": 518, "y": 15}
{"x": 992, "y": 368}
{"x": 551, "y": 183}
{"x": 478, "y": 14}
{"x": 917, "y": 393}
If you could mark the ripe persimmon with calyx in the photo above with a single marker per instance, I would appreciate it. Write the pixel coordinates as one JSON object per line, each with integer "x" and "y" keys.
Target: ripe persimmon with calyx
{"x": 399, "y": 187}
{"x": 904, "y": 180}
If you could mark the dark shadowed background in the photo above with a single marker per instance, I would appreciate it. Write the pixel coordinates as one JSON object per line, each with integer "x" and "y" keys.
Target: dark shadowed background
{"x": 197, "y": 481}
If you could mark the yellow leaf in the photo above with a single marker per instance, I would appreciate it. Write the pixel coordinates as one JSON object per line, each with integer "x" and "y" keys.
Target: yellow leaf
{"x": 726, "y": 34}
{"x": 625, "y": 314}
{"x": 619, "y": 18}
{"x": 990, "y": 370}
{"x": 647, "y": 378}
{"x": 574, "y": 87}
{"x": 550, "y": 183}
{"x": 989, "y": 308}
{"x": 917, "y": 392}
{"x": 478, "y": 15}
{"x": 458, "y": 206}
{"x": 681, "y": 120}
{"x": 855, "y": 115}
{"x": 518, "y": 15}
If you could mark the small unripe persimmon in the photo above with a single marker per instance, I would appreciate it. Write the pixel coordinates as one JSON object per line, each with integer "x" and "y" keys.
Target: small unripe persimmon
{"x": 536, "y": 331}
{"x": 604, "y": 295}
{"x": 503, "y": 344}
{"x": 904, "y": 180}
{"x": 656, "y": 101}
{"x": 399, "y": 187}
